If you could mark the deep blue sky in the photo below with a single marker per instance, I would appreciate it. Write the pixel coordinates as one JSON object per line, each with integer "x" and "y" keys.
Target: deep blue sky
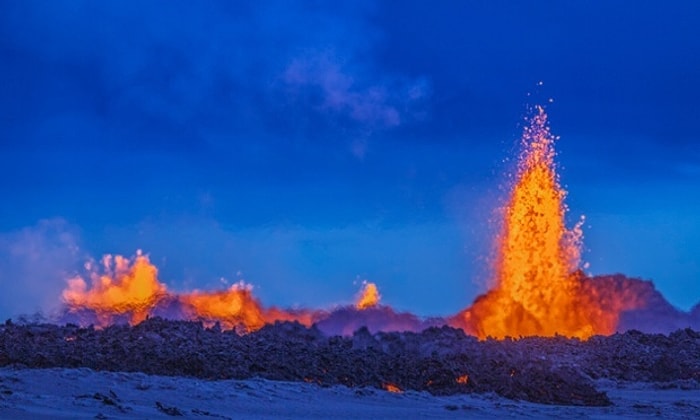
{"x": 305, "y": 146}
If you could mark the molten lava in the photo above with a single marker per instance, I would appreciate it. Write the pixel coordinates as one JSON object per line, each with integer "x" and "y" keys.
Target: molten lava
{"x": 537, "y": 282}
{"x": 392, "y": 388}
{"x": 120, "y": 288}
{"x": 232, "y": 308}
{"x": 369, "y": 296}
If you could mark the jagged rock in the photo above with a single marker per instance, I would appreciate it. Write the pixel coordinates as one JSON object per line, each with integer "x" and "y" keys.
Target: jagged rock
{"x": 441, "y": 361}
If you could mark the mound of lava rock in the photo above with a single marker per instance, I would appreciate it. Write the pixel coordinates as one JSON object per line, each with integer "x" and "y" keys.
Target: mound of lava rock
{"x": 438, "y": 360}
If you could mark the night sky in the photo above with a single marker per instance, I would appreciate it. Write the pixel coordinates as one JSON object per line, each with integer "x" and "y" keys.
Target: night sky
{"x": 306, "y": 146}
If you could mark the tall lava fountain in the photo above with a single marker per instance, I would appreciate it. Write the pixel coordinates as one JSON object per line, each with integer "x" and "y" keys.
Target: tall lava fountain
{"x": 537, "y": 283}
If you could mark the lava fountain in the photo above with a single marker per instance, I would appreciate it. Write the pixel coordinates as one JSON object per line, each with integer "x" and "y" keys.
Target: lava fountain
{"x": 118, "y": 288}
{"x": 128, "y": 290}
{"x": 368, "y": 297}
{"x": 536, "y": 274}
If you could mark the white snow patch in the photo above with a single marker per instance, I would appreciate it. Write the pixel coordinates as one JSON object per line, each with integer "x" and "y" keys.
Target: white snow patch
{"x": 84, "y": 393}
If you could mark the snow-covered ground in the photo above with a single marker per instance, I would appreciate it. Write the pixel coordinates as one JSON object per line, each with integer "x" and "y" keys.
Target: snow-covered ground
{"x": 83, "y": 393}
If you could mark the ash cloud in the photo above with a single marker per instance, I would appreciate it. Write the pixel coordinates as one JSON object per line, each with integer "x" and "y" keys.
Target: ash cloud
{"x": 34, "y": 264}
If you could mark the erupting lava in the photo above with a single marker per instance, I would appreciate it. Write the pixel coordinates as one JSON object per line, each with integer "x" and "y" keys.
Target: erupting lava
{"x": 233, "y": 307}
{"x": 369, "y": 296}
{"x": 122, "y": 289}
{"x": 131, "y": 291}
{"x": 537, "y": 281}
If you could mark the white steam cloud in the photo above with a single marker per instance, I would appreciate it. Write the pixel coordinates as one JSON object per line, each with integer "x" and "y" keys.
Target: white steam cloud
{"x": 34, "y": 263}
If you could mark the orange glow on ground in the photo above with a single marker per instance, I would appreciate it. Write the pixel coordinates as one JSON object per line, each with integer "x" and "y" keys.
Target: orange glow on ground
{"x": 392, "y": 388}
{"x": 305, "y": 317}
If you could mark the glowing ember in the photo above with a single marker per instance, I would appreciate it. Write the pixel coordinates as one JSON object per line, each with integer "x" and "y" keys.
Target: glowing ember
{"x": 392, "y": 388}
{"x": 369, "y": 296}
{"x": 537, "y": 291}
{"x": 120, "y": 288}
{"x": 464, "y": 379}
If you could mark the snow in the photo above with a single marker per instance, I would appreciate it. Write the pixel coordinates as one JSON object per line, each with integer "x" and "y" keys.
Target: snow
{"x": 84, "y": 393}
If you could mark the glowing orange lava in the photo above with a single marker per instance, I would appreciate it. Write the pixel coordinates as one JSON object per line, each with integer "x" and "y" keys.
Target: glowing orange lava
{"x": 392, "y": 388}
{"x": 232, "y": 308}
{"x": 120, "y": 288}
{"x": 369, "y": 296}
{"x": 537, "y": 285}
{"x": 124, "y": 289}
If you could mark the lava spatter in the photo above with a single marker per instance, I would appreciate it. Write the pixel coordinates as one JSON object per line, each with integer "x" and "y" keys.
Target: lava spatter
{"x": 536, "y": 272}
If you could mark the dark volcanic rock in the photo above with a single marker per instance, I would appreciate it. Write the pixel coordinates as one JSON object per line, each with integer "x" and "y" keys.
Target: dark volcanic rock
{"x": 345, "y": 321}
{"x": 438, "y": 360}
{"x": 640, "y": 305}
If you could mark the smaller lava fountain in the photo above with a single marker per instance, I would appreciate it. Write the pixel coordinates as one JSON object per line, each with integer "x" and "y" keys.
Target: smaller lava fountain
{"x": 369, "y": 296}
{"x": 121, "y": 288}
{"x": 124, "y": 290}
